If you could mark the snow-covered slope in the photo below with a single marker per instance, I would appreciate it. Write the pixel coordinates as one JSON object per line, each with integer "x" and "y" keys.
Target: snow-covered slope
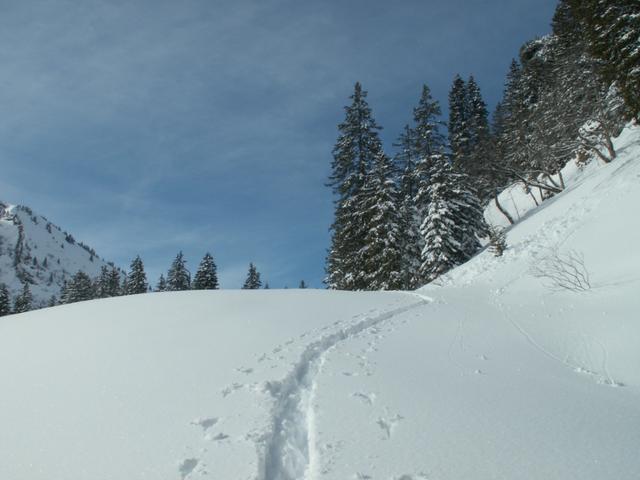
{"x": 492, "y": 374}
{"x": 34, "y": 250}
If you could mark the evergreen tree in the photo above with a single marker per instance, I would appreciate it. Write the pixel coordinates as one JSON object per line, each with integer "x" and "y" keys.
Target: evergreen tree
{"x": 442, "y": 250}
{"x": 178, "y": 277}
{"x": 381, "y": 257}
{"x": 113, "y": 288}
{"x": 206, "y": 277}
{"x": 469, "y": 216}
{"x": 357, "y": 147}
{"x": 108, "y": 283}
{"x": 266, "y": 286}
{"x": 64, "y": 292}
{"x": 137, "y": 278}
{"x": 480, "y": 152}
{"x": 162, "y": 284}
{"x": 253, "y": 279}
{"x": 5, "y": 300}
{"x": 79, "y": 289}
{"x": 426, "y": 145}
{"x": 23, "y": 302}
{"x": 612, "y": 28}
{"x": 53, "y": 301}
{"x": 302, "y": 285}
{"x": 452, "y": 224}
{"x": 459, "y": 140}
{"x": 101, "y": 282}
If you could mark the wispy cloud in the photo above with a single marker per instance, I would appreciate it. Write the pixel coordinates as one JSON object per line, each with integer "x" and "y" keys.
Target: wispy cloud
{"x": 153, "y": 126}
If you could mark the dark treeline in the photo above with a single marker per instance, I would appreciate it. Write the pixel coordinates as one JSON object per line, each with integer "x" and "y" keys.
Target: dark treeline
{"x": 403, "y": 221}
{"x": 113, "y": 282}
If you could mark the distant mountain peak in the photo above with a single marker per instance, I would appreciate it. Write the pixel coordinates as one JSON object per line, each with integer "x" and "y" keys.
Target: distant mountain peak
{"x": 33, "y": 250}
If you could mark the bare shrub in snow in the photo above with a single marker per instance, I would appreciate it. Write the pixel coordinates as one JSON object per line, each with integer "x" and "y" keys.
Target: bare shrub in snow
{"x": 563, "y": 270}
{"x": 497, "y": 241}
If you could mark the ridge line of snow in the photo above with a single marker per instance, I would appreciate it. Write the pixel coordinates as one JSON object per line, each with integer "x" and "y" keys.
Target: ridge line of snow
{"x": 289, "y": 452}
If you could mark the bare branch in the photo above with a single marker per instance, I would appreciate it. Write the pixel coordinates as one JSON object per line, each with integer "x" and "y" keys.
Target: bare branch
{"x": 563, "y": 270}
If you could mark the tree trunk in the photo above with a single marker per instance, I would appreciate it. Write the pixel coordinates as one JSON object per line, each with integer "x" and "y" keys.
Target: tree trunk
{"x": 502, "y": 210}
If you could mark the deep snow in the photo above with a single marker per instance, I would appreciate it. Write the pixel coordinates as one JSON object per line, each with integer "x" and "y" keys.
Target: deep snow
{"x": 492, "y": 373}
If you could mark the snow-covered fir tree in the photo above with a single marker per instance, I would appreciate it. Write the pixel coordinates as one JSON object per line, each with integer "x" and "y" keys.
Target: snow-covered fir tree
{"x": 459, "y": 140}
{"x": 252, "y": 281}
{"x": 409, "y": 217}
{"x": 178, "y": 277}
{"x": 162, "y": 284}
{"x": 479, "y": 158}
{"x": 108, "y": 283}
{"x": 80, "y": 288}
{"x": 611, "y": 29}
{"x": 430, "y": 149}
{"x": 381, "y": 256}
{"x": 442, "y": 250}
{"x": 452, "y": 224}
{"x": 24, "y": 301}
{"x": 357, "y": 147}
{"x": 206, "y": 278}
{"x": 5, "y": 300}
{"x": 136, "y": 278}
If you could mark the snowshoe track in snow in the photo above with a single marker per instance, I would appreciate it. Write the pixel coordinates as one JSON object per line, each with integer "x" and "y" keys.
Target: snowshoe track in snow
{"x": 289, "y": 449}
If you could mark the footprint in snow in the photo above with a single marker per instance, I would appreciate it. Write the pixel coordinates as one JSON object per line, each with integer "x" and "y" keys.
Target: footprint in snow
{"x": 389, "y": 425}
{"x": 187, "y": 466}
{"x": 218, "y": 437}
{"x": 205, "y": 423}
{"x": 244, "y": 370}
{"x": 362, "y": 476}
{"x": 369, "y": 399}
{"x": 230, "y": 389}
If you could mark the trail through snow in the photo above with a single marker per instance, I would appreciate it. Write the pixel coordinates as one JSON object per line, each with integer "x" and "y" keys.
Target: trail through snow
{"x": 289, "y": 448}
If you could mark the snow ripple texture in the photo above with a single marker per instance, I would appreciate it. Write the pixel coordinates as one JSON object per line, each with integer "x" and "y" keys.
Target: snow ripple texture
{"x": 289, "y": 452}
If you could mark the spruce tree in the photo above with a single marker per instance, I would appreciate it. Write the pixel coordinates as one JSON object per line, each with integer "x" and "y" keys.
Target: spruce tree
{"x": 101, "y": 282}
{"x": 23, "y": 302}
{"x": 459, "y": 136}
{"x": 442, "y": 250}
{"x": 452, "y": 225}
{"x": 206, "y": 278}
{"x": 162, "y": 284}
{"x": 253, "y": 279}
{"x": 425, "y": 145}
{"x": 79, "y": 289}
{"x": 357, "y": 147}
{"x": 137, "y": 278}
{"x": 302, "y": 285}
{"x": 612, "y": 28}
{"x": 479, "y": 158}
{"x": 108, "y": 283}
{"x": 381, "y": 257}
{"x": 5, "y": 300}
{"x": 113, "y": 288}
{"x": 178, "y": 277}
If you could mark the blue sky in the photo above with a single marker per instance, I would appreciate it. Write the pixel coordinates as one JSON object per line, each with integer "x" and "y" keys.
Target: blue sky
{"x": 149, "y": 127}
